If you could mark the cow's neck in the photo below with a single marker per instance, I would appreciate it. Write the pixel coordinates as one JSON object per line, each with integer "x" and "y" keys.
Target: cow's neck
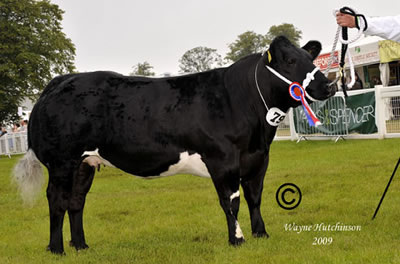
{"x": 241, "y": 87}
{"x": 271, "y": 89}
{"x": 241, "y": 84}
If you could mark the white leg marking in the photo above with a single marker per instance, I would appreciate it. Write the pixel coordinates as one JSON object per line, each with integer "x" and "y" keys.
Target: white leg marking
{"x": 235, "y": 195}
{"x": 239, "y": 233}
{"x": 95, "y": 159}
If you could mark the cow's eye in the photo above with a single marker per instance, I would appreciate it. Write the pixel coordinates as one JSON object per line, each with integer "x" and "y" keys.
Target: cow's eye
{"x": 291, "y": 61}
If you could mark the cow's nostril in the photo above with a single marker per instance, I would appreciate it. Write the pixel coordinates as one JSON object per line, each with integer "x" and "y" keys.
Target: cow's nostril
{"x": 331, "y": 88}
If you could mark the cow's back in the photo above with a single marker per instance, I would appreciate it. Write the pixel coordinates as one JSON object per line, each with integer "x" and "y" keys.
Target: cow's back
{"x": 106, "y": 110}
{"x": 174, "y": 105}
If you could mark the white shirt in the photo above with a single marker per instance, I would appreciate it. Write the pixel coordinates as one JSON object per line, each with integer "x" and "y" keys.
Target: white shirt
{"x": 386, "y": 27}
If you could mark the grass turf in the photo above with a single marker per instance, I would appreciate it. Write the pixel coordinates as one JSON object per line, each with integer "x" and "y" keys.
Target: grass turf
{"x": 178, "y": 219}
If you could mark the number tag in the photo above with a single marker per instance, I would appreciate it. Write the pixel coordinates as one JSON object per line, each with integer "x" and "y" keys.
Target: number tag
{"x": 275, "y": 116}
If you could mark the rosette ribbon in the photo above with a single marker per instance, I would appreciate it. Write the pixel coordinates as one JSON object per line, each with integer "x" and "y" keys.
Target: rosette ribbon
{"x": 297, "y": 92}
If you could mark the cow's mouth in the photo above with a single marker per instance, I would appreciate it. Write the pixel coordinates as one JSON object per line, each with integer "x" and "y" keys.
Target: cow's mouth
{"x": 332, "y": 88}
{"x": 328, "y": 91}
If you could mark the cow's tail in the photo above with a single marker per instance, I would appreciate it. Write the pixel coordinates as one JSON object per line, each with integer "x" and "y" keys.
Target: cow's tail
{"x": 29, "y": 177}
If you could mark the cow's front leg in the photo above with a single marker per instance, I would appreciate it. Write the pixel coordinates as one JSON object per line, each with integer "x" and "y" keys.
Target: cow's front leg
{"x": 252, "y": 188}
{"x": 227, "y": 185}
{"x": 230, "y": 202}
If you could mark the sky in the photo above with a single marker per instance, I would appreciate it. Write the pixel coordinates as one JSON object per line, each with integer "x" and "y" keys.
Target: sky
{"x": 115, "y": 35}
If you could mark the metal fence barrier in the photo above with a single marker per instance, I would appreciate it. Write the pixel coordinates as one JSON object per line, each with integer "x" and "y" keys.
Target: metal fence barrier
{"x": 388, "y": 111}
{"x": 13, "y": 143}
{"x": 332, "y": 114}
{"x": 393, "y": 114}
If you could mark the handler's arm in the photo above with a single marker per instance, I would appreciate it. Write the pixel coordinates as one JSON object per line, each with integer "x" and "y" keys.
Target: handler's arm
{"x": 385, "y": 27}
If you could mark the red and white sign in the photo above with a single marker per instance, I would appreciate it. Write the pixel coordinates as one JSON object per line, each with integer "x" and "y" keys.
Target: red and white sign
{"x": 322, "y": 61}
{"x": 362, "y": 54}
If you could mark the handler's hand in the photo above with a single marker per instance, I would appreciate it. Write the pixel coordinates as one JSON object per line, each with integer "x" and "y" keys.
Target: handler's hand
{"x": 345, "y": 20}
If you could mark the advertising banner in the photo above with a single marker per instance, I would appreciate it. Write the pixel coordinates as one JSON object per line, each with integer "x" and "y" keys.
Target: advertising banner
{"x": 339, "y": 116}
{"x": 364, "y": 54}
{"x": 389, "y": 51}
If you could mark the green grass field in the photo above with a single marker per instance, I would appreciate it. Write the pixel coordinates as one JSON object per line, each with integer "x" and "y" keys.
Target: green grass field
{"x": 178, "y": 219}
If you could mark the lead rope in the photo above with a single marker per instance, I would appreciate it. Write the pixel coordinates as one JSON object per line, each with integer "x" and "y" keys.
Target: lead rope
{"x": 342, "y": 36}
{"x": 331, "y": 56}
{"x": 258, "y": 88}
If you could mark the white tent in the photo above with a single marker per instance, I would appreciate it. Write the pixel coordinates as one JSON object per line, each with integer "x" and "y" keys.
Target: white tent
{"x": 364, "y": 52}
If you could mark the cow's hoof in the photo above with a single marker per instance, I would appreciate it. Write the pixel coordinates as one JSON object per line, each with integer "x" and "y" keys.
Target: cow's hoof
{"x": 261, "y": 234}
{"x": 237, "y": 241}
{"x": 55, "y": 251}
{"x": 78, "y": 246}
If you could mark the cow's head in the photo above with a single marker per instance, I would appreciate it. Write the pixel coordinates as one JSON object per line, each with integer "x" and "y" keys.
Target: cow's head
{"x": 294, "y": 64}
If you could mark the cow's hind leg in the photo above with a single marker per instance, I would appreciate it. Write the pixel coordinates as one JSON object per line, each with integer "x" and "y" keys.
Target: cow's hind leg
{"x": 252, "y": 188}
{"x": 82, "y": 181}
{"x": 58, "y": 193}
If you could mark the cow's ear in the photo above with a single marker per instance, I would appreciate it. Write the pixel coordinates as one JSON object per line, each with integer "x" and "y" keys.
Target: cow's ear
{"x": 274, "y": 55}
{"x": 313, "y": 47}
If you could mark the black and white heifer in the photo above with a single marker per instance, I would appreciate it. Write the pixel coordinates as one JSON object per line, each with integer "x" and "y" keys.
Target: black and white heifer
{"x": 210, "y": 124}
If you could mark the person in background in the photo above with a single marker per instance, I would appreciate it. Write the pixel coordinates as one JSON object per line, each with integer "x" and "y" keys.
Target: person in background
{"x": 376, "y": 81}
{"x": 387, "y": 27}
{"x": 3, "y": 131}
{"x": 24, "y": 125}
{"x": 15, "y": 128}
{"x": 358, "y": 84}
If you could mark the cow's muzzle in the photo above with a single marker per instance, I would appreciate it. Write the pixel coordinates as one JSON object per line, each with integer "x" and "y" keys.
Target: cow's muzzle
{"x": 331, "y": 88}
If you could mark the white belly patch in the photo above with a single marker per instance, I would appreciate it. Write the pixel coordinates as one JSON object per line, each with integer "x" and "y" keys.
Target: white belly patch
{"x": 94, "y": 159}
{"x": 187, "y": 164}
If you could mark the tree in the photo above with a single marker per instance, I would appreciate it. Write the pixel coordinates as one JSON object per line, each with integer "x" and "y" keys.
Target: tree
{"x": 142, "y": 69}
{"x": 33, "y": 49}
{"x": 200, "y": 59}
{"x": 250, "y": 42}
{"x": 287, "y": 30}
{"x": 247, "y": 43}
